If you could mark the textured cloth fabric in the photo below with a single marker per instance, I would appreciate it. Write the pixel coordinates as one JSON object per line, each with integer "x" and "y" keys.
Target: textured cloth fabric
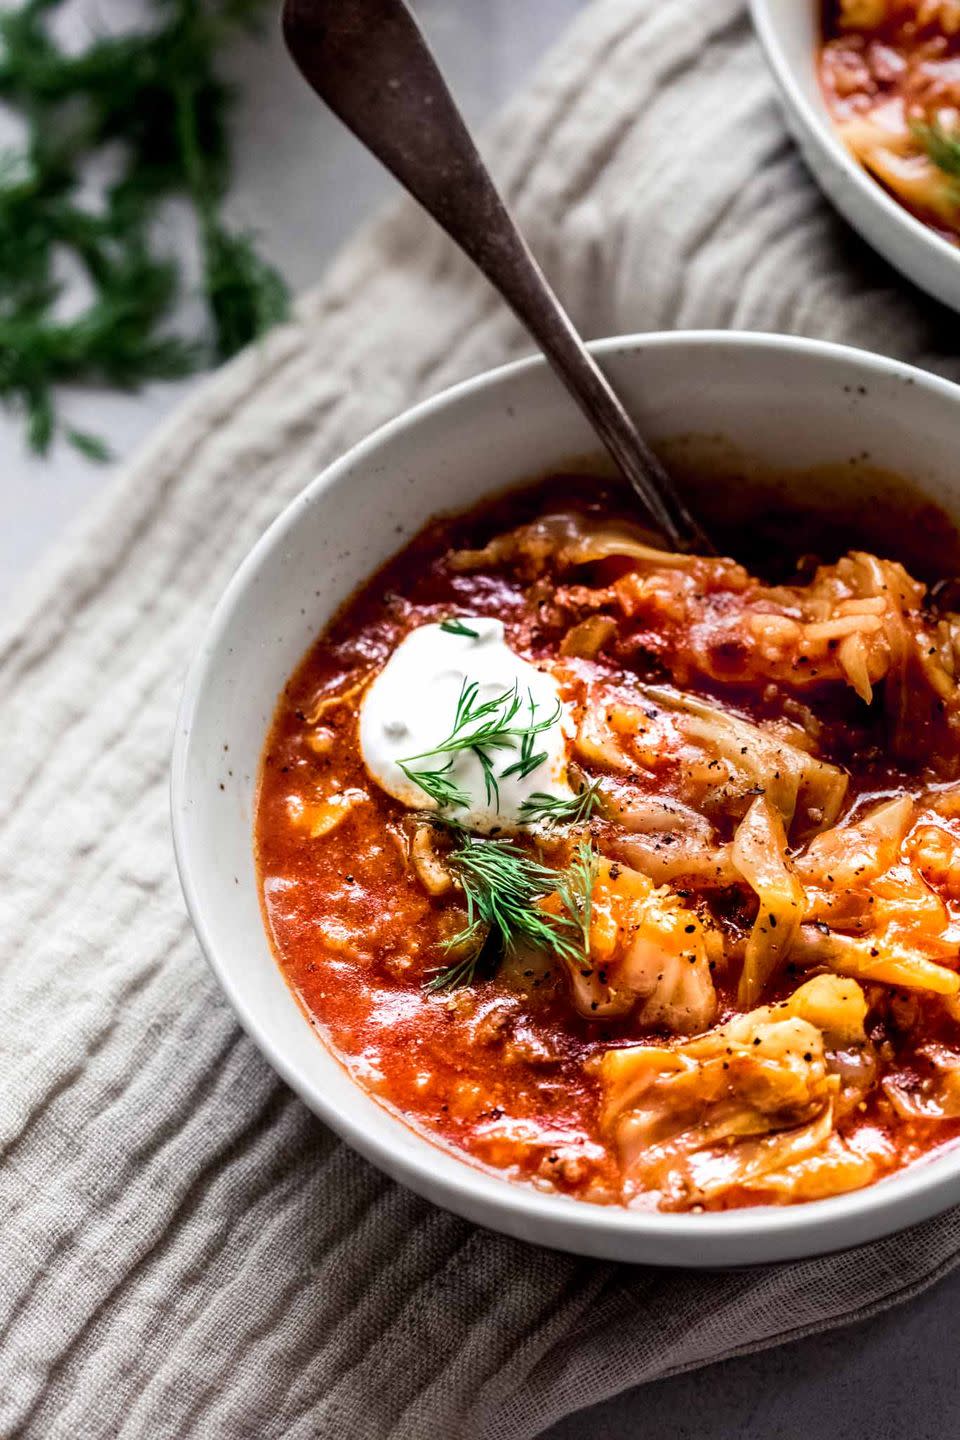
{"x": 184, "y": 1250}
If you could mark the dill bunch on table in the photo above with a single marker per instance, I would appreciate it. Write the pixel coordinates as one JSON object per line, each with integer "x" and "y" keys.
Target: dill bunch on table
{"x": 156, "y": 94}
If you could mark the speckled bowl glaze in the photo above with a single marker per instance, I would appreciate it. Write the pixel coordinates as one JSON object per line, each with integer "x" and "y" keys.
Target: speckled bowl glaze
{"x": 789, "y": 32}
{"x": 785, "y": 403}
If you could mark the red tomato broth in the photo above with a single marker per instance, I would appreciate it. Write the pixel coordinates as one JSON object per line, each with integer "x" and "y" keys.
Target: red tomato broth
{"x": 504, "y": 1071}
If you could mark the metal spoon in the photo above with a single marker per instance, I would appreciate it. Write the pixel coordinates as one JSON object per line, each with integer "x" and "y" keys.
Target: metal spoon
{"x": 369, "y": 61}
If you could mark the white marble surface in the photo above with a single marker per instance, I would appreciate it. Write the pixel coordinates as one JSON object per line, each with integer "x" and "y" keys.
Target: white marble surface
{"x": 305, "y": 185}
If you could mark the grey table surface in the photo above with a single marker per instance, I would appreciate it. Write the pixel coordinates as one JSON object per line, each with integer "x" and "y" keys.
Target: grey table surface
{"x": 304, "y": 186}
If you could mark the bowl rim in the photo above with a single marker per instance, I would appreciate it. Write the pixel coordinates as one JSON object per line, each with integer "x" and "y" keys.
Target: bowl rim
{"x": 821, "y": 130}
{"x": 463, "y": 1187}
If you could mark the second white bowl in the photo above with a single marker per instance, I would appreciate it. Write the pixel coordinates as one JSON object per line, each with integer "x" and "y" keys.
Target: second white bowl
{"x": 789, "y": 32}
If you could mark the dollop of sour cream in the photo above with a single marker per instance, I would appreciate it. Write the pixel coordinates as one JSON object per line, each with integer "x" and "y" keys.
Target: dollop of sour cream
{"x": 411, "y": 706}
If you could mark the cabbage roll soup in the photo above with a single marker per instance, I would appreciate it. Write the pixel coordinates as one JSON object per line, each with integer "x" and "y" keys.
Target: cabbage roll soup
{"x": 891, "y": 75}
{"x": 629, "y": 874}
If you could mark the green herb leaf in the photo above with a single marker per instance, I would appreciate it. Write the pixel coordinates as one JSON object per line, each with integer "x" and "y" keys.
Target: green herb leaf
{"x": 480, "y": 953}
{"x": 443, "y": 791}
{"x": 576, "y": 890}
{"x": 491, "y": 788}
{"x": 525, "y": 765}
{"x": 464, "y": 972}
{"x": 942, "y": 146}
{"x": 502, "y": 884}
{"x": 157, "y": 94}
{"x": 453, "y": 626}
{"x": 544, "y": 809}
{"x": 480, "y": 726}
{"x": 89, "y": 445}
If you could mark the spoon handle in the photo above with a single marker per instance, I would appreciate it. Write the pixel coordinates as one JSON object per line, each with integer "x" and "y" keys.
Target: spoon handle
{"x": 368, "y": 60}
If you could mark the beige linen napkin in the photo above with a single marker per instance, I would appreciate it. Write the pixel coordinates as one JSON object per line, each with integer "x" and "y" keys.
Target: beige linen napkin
{"x": 184, "y": 1249}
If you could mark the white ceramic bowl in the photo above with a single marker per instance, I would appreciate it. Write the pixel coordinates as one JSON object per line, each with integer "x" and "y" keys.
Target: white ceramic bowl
{"x": 789, "y": 32}
{"x": 785, "y": 402}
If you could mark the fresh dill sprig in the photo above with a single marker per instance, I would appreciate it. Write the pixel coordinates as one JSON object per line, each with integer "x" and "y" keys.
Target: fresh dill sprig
{"x": 544, "y": 809}
{"x": 443, "y": 791}
{"x": 502, "y": 885}
{"x": 463, "y": 972}
{"x": 479, "y": 727}
{"x": 943, "y": 148}
{"x": 490, "y": 787}
{"x": 489, "y": 722}
{"x": 529, "y": 760}
{"x": 577, "y": 891}
{"x": 454, "y": 626}
{"x": 156, "y": 95}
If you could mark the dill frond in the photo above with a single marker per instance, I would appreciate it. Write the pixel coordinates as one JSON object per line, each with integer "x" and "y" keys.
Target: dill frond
{"x": 544, "y": 809}
{"x": 443, "y": 790}
{"x": 502, "y": 885}
{"x": 156, "y": 93}
{"x": 455, "y": 626}
{"x": 943, "y": 148}
{"x": 481, "y": 726}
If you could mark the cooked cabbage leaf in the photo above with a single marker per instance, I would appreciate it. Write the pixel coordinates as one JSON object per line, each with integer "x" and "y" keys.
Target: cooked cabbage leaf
{"x": 753, "y": 1097}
